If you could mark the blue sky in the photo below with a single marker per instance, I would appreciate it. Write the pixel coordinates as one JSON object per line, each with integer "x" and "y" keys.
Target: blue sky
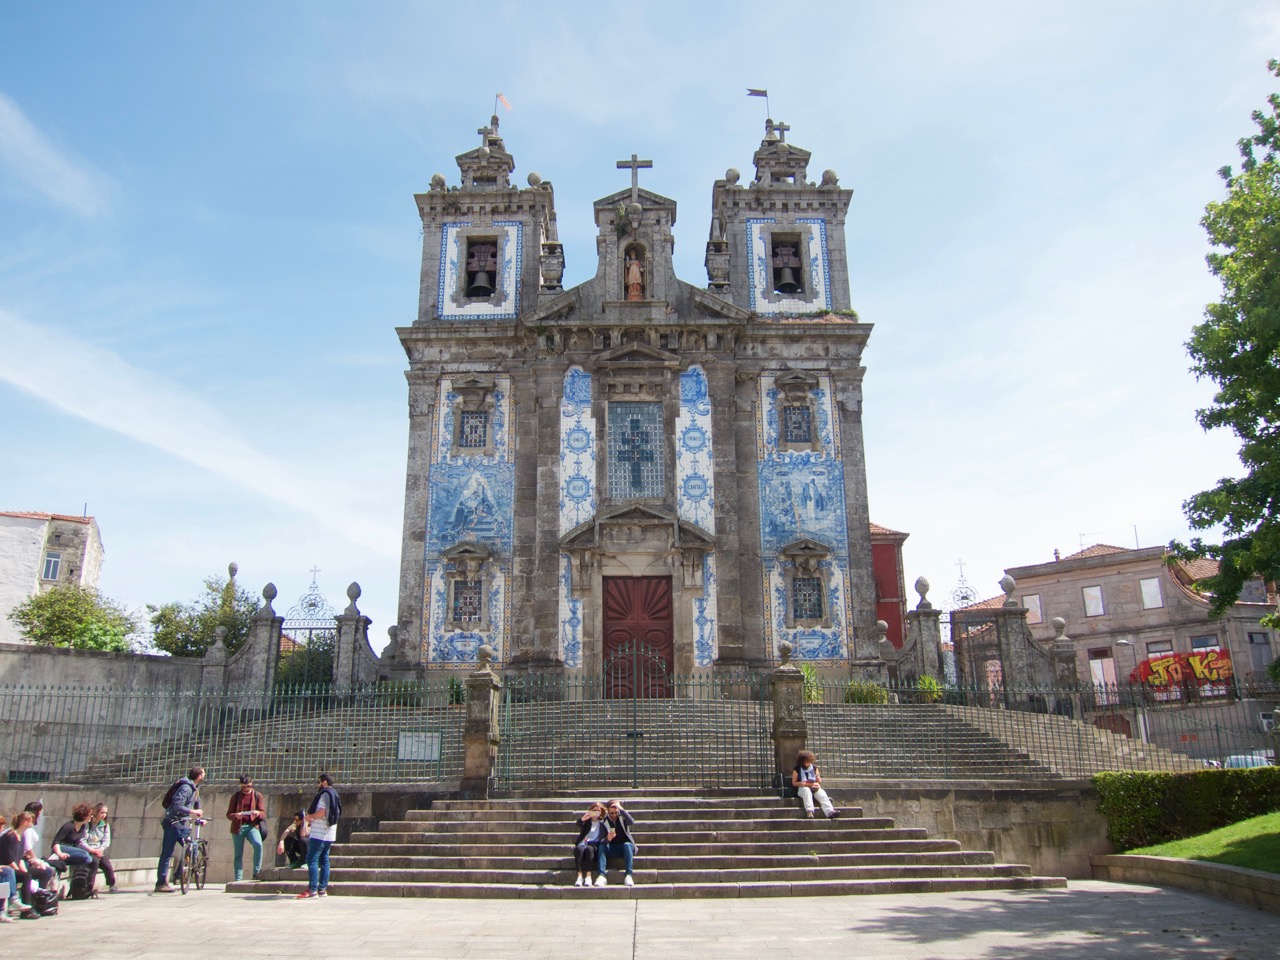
{"x": 208, "y": 236}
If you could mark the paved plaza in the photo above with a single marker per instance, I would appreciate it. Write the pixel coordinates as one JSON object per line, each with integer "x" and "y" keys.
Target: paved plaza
{"x": 1090, "y": 921}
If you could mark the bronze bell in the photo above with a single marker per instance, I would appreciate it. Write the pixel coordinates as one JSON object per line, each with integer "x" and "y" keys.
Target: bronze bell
{"x": 481, "y": 285}
{"x": 787, "y": 281}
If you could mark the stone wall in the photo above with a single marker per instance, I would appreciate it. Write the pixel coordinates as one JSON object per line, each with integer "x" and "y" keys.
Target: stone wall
{"x": 31, "y": 665}
{"x": 1053, "y": 826}
{"x": 135, "y": 814}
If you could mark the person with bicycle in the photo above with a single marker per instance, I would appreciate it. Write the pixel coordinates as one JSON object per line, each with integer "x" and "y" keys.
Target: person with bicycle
{"x": 184, "y": 804}
{"x": 246, "y": 811}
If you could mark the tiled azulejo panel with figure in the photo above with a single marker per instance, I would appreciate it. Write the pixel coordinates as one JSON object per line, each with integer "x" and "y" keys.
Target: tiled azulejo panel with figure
{"x": 802, "y": 499}
{"x": 470, "y": 522}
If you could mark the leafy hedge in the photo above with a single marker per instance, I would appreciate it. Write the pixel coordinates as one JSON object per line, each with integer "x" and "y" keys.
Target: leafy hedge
{"x": 1148, "y": 808}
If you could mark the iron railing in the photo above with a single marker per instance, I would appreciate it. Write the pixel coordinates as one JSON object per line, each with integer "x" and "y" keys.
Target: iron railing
{"x": 381, "y": 733}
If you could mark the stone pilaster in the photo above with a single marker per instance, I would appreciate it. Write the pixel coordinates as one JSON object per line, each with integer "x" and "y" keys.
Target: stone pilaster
{"x": 789, "y": 729}
{"x": 480, "y": 737}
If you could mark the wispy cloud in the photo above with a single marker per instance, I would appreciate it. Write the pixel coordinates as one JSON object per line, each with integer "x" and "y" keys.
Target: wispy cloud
{"x": 36, "y": 163}
{"x": 99, "y": 387}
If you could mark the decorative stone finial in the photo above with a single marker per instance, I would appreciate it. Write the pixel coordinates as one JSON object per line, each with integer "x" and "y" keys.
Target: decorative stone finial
{"x": 269, "y": 592}
{"x": 437, "y": 181}
{"x": 485, "y": 151}
{"x": 535, "y": 179}
{"x": 829, "y": 178}
{"x": 484, "y": 654}
{"x": 634, "y": 211}
{"x": 881, "y": 632}
{"x": 220, "y": 634}
{"x": 232, "y": 569}
{"x": 732, "y": 175}
{"x": 1059, "y": 629}
{"x": 784, "y": 652}
{"x": 353, "y": 594}
{"x": 392, "y": 632}
{"x": 922, "y": 588}
{"x": 1008, "y": 585}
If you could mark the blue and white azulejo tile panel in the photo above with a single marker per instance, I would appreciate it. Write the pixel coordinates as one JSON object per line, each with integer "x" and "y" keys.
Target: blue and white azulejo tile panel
{"x": 570, "y": 618}
{"x": 802, "y": 497}
{"x": 705, "y": 646}
{"x": 813, "y": 256}
{"x": 577, "y": 451}
{"x": 445, "y": 648}
{"x": 505, "y": 304}
{"x": 446, "y": 409}
{"x": 695, "y": 478}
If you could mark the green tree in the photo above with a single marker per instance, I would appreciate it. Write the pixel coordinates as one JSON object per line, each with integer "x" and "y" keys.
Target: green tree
{"x": 71, "y": 616}
{"x": 1238, "y": 348}
{"x": 187, "y": 629}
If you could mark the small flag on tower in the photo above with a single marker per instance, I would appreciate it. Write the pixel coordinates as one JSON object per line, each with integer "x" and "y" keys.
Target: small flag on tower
{"x": 503, "y": 100}
{"x": 757, "y": 93}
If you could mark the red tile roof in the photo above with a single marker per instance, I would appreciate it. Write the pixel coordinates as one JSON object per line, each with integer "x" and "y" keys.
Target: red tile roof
{"x": 1199, "y": 568}
{"x": 991, "y": 603}
{"x": 877, "y": 530}
{"x": 1097, "y": 550}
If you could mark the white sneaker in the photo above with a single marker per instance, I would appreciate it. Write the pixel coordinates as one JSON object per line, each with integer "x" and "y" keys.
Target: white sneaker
{"x": 601, "y": 881}
{"x": 628, "y": 881}
{"x": 578, "y": 882}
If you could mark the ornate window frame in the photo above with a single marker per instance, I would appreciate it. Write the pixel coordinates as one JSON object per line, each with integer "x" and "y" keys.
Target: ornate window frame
{"x": 465, "y": 563}
{"x": 474, "y": 395}
{"x": 804, "y": 559}
{"x": 796, "y": 388}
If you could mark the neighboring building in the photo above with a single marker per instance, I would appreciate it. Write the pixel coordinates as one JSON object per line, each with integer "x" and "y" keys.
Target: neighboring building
{"x": 891, "y": 589}
{"x": 1133, "y": 614}
{"x": 43, "y": 550}
{"x": 637, "y": 459}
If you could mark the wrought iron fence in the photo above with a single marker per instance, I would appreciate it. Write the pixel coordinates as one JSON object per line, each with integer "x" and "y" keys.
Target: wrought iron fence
{"x": 390, "y": 733}
{"x": 701, "y": 731}
{"x": 930, "y": 730}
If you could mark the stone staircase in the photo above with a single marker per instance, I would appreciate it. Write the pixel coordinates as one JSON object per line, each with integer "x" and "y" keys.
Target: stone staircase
{"x": 691, "y": 844}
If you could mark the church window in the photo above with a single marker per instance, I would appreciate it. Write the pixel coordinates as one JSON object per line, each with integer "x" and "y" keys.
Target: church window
{"x": 51, "y": 563}
{"x": 637, "y": 466}
{"x": 468, "y": 601}
{"x": 481, "y": 267}
{"x": 797, "y": 424}
{"x": 473, "y": 429}
{"x": 806, "y": 598}
{"x": 788, "y": 268}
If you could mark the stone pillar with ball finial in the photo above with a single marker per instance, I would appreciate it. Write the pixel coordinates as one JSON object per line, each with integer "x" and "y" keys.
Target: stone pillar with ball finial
{"x": 921, "y": 654}
{"x": 354, "y": 662}
{"x": 481, "y": 736}
{"x": 789, "y": 730}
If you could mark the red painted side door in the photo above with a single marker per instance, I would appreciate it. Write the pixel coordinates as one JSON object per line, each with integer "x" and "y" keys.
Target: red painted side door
{"x": 639, "y": 642}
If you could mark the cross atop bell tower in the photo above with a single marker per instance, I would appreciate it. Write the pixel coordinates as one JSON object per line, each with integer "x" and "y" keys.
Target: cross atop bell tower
{"x": 636, "y": 166}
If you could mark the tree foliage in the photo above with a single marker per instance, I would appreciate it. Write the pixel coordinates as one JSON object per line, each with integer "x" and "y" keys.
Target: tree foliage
{"x": 71, "y": 616}
{"x": 1238, "y": 348}
{"x": 189, "y": 629}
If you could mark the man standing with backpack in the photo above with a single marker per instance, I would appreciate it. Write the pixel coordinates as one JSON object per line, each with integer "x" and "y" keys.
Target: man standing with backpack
{"x": 322, "y": 815}
{"x": 181, "y": 802}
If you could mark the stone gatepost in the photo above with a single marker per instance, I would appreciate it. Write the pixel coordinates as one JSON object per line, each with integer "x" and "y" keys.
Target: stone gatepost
{"x": 481, "y": 736}
{"x": 789, "y": 730}
{"x": 251, "y": 670}
{"x": 353, "y": 640}
{"x": 1014, "y": 643}
{"x": 1066, "y": 676}
{"x": 922, "y": 651}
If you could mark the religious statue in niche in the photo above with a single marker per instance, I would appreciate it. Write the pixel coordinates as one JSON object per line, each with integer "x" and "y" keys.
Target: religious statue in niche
{"x": 635, "y": 274}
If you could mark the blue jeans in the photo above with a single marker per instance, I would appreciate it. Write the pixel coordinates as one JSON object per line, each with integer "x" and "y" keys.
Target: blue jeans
{"x": 74, "y": 855}
{"x": 174, "y": 833}
{"x": 8, "y": 876}
{"x": 247, "y": 831}
{"x": 619, "y": 848}
{"x": 318, "y": 864}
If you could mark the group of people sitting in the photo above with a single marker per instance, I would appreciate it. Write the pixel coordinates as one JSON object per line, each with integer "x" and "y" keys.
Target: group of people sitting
{"x": 30, "y": 880}
{"x": 604, "y": 831}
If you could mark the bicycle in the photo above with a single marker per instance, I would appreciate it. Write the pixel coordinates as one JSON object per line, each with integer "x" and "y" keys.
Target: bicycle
{"x": 192, "y": 864}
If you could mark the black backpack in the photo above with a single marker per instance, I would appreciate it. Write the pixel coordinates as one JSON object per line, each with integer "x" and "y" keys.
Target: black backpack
{"x": 81, "y": 885}
{"x": 168, "y": 794}
{"x": 45, "y": 902}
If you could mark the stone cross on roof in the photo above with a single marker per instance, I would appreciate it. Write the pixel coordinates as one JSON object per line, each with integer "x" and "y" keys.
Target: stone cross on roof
{"x": 636, "y": 166}
{"x": 776, "y": 130}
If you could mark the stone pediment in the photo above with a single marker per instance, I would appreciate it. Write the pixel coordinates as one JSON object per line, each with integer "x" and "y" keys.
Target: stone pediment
{"x": 646, "y": 528}
{"x": 556, "y": 308}
{"x": 806, "y": 554}
{"x": 636, "y": 353}
{"x": 648, "y": 199}
{"x": 714, "y": 306}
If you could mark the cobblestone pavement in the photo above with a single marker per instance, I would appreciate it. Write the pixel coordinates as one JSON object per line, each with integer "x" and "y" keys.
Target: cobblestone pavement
{"x": 1090, "y": 921}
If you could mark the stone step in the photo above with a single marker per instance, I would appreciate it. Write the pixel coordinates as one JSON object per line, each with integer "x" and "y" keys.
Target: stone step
{"x": 827, "y": 832}
{"x": 651, "y": 827}
{"x": 780, "y": 848}
{"x": 616, "y": 891}
{"x": 561, "y": 860}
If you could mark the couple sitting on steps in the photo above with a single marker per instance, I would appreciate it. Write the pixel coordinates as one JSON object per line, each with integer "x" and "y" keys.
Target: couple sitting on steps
{"x": 603, "y": 832}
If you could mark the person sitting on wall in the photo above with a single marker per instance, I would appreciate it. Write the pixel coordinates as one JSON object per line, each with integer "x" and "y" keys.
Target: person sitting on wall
{"x": 33, "y": 873}
{"x": 97, "y": 837}
{"x": 617, "y": 843}
{"x": 808, "y": 783}
{"x": 293, "y": 842}
{"x": 246, "y": 811}
{"x": 10, "y": 850}
{"x": 67, "y": 849}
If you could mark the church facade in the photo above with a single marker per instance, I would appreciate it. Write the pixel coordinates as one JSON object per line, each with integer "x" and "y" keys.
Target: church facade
{"x": 637, "y": 460}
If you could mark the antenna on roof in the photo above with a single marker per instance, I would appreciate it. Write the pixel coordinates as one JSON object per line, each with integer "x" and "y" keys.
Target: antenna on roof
{"x": 1136, "y": 544}
{"x": 86, "y": 509}
{"x": 1087, "y": 533}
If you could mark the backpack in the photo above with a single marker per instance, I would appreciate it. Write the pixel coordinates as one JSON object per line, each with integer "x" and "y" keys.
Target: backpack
{"x": 167, "y": 802}
{"x": 45, "y": 902}
{"x": 81, "y": 885}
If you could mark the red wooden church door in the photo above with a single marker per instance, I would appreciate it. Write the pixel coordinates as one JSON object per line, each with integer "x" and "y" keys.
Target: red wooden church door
{"x": 638, "y": 637}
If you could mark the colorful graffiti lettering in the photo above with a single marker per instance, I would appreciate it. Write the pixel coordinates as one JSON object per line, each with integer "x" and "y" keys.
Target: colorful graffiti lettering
{"x": 1202, "y": 667}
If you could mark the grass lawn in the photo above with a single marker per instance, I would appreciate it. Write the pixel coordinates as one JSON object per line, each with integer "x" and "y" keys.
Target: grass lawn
{"x": 1250, "y": 843}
